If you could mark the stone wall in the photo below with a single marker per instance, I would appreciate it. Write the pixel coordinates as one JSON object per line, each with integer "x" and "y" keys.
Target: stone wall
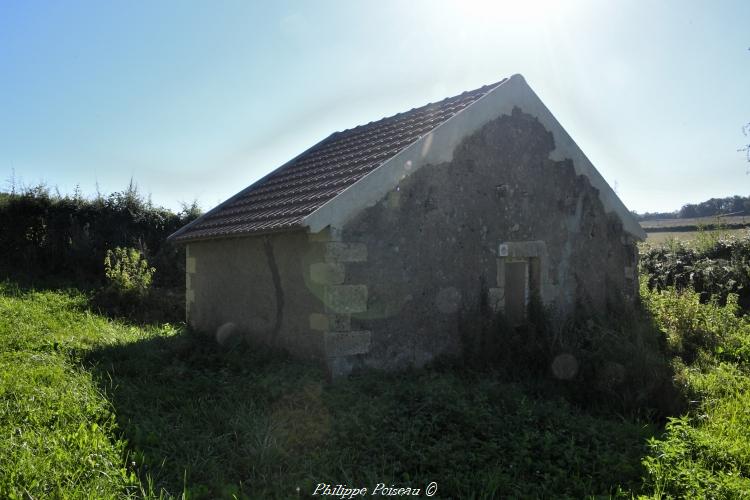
{"x": 397, "y": 284}
{"x": 434, "y": 244}
{"x": 341, "y": 298}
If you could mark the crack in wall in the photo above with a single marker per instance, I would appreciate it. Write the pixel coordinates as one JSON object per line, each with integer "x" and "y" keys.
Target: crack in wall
{"x": 273, "y": 332}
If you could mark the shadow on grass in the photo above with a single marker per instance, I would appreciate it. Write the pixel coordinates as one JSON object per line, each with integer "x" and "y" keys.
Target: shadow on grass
{"x": 159, "y": 305}
{"x": 221, "y": 421}
{"x": 198, "y": 415}
{"x": 42, "y": 282}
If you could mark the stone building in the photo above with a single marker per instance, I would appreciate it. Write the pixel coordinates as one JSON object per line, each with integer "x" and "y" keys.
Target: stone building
{"x": 367, "y": 249}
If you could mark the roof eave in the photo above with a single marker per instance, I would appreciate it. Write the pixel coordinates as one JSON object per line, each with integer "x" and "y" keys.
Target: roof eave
{"x": 186, "y": 227}
{"x": 250, "y": 234}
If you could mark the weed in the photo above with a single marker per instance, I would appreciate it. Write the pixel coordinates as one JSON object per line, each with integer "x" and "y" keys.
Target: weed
{"x": 704, "y": 453}
{"x": 128, "y": 272}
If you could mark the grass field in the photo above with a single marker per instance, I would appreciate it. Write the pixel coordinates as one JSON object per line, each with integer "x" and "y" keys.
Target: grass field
{"x": 661, "y": 237}
{"x": 663, "y": 231}
{"x": 95, "y": 408}
{"x": 734, "y": 222}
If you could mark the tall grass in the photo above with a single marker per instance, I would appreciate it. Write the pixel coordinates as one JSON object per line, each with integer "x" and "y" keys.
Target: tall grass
{"x": 704, "y": 453}
{"x": 57, "y": 430}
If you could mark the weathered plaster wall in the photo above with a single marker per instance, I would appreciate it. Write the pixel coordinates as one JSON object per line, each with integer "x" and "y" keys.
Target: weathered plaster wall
{"x": 287, "y": 290}
{"x": 256, "y": 286}
{"x": 432, "y": 242}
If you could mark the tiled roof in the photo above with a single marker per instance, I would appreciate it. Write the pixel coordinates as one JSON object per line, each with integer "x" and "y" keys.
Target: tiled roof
{"x": 280, "y": 200}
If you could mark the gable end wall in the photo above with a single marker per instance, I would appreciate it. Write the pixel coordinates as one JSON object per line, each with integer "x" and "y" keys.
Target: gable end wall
{"x": 433, "y": 244}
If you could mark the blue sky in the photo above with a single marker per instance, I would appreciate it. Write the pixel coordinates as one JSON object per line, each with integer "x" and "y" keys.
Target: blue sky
{"x": 196, "y": 100}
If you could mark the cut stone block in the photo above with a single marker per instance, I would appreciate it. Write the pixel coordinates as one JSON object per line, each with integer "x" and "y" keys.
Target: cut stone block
{"x": 327, "y": 273}
{"x": 318, "y": 322}
{"x": 347, "y": 343}
{"x": 339, "y": 322}
{"x": 346, "y": 299}
{"x": 522, "y": 249}
{"x": 629, "y": 272}
{"x": 339, "y": 367}
{"x": 330, "y": 322}
{"x": 346, "y": 252}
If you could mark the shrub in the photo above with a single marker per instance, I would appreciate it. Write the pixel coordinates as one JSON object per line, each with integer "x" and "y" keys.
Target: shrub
{"x": 128, "y": 293}
{"x": 614, "y": 363}
{"x": 706, "y": 452}
{"x": 621, "y": 363}
{"x": 714, "y": 266}
{"x": 127, "y": 271}
{"x": 693, "y": 329}
{"x": 47, "y": 238}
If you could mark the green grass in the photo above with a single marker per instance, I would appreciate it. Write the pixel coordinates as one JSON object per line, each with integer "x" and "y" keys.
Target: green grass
{"x": 93, "y": 408}
{"x": 704, "y": 453}
{"x": 96, "y": 408}
{"x": 57, "y": 430}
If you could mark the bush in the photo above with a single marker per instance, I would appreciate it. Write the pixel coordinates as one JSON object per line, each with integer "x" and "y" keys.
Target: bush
{"x": 695, "y": 330}
{"x": 613, "y": 363}
{"x": 706, "y": 452}
{"x": 128, "y": 292}
{"x": 128, "y": 272}
{"x": 63, "y": 239}
{"x": 715, "y": 265}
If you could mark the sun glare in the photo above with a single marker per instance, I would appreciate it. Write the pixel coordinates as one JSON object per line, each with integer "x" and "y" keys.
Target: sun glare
{"x": 515, "y": 12}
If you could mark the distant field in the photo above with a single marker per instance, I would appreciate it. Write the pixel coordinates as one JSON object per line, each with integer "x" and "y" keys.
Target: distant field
{"x": 733, "y": 222}
{"x": 658, "y": 237}
{"x": 660, "y": 230}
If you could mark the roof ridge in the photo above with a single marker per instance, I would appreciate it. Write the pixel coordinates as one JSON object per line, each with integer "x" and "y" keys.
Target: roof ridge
{"x": 484, "y": 88}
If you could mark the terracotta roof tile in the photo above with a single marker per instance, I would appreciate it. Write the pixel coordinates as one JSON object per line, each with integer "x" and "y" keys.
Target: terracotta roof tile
{"x": 283, "y": 198}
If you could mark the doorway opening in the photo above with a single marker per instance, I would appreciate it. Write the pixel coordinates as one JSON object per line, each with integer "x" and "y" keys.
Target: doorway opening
{"x": 521, "y": 287}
